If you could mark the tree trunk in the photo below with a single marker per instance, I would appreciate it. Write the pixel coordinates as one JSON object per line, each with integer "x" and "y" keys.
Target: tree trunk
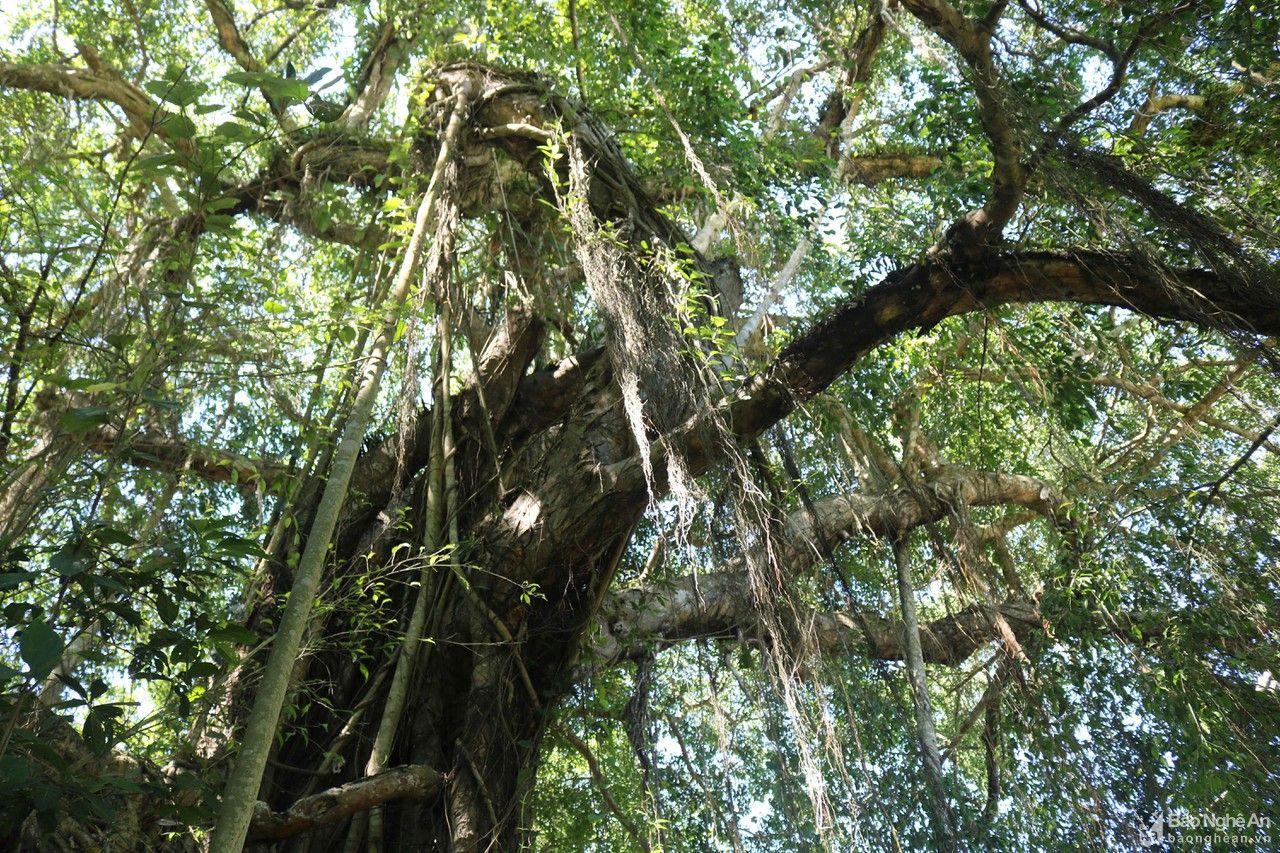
{"x": 490, "y": 642}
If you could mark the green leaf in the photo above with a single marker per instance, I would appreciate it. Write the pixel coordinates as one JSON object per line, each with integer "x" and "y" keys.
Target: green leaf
{"x": 182, "y": 93}
{"x": 158, "y": 164}
{"x": 271, "y": 306}
{"x": 178, "y": 127}
{"x": 238, "y": 546}
{"x": 113, "y": 536}
{"x": 316, "y": 76}
{"x": 235, "y": 132}
{"x": 14, "y": 772}
{"x": 83, "y": 418}
{"x": 41, "y": 649}
{"x": 12, "y": 579}
{"x": 74, "y": 558}
{"x": 233, "y": 634}
{"x": 220, "y": 204}
{"x": 167, "y": 608}
{"x": 151, "y": 398}
{"x": 253, "y": 117}
{"x": 321, "y": 218}
{"x": 202, "y": 669}
{"x": 278, "y": 87}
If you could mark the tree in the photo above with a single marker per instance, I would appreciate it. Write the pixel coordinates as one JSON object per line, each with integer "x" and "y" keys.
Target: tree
{"x": 687, "y": 426}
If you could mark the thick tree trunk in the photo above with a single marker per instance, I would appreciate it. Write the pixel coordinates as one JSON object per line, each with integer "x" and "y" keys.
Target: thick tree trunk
{"x": 496, "y": 662}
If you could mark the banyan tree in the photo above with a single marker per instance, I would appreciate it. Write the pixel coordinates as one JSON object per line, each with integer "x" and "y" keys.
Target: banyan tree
{"x": 664, "y": 426}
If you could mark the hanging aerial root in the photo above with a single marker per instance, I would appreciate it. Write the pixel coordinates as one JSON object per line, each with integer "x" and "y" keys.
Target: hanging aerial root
{"x": 241, "y": 790}
{"x": 660, "y": 386}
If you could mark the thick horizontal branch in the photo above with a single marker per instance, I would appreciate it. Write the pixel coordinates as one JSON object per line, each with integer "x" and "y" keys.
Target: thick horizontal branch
{"x": 70, "y": 82}
{"x": 411, "y": 782}
{"x": 148, "y": 450}
{"x": 871, "y": 169}
{"x": 99, "y": 82}
{"x": 721, "y": 604}
{"x": 634, "y": 621}
{"x": 890, "y": 514}
{"x": 920, "y": 296}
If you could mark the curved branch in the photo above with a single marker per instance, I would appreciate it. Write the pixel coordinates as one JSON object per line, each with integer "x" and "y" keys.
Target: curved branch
{"x": 1069, "y": 35}
{"x": 972, "y": 40}
{"x": 99, "y": 82}
{"x": 410, "y": 782}
{"x": 922, "y": 295}
{"x": 229, "y": 35}
{"x": 1119, "y": 68}
{"x": 1156, "y": 104}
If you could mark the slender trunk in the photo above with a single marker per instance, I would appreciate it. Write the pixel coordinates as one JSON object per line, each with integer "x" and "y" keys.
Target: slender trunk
{"x": 931, "y": 755}
{"x": 241, "y": 791}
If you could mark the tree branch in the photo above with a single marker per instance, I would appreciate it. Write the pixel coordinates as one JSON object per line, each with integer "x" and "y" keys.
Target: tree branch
{"x": 872, "y": 169}
{"x": 917, "y": 679}
{"x": 1156, "y": 104}
{"x": 720, "y": 604}
{"x": 229, "y": 35}
{"x": 635, "y": 621}
{"x": 149, "y": 450}
{"x": 922, "y": 295}
{"x": 376, "y": 76}
{"x": 972, "y": 40}
{"x": 410, "y": 782}
{"x": 99, "y": 82}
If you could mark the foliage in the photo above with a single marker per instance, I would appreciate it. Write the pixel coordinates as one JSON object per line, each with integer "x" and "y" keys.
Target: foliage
{"x": 188, "y": 300}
